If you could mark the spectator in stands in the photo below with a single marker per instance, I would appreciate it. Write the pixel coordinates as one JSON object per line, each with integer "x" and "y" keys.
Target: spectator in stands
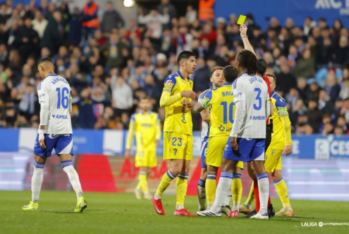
{"x": 52, "y": 37}
{"x": 154, "y": 20}
{"x": 325, "y": 103}
{"x": 111, "y": 19}
{"x": 308, "y": 25}
{"x": 39, "y": 23}
{"x": 4, "y": 15}
{"x": 113, "y": 50}
{"x": 122, "y": 95}
{"x": 27, "y": 39}
{"x": 331, "y": 86}
{"x": 338, "y": 131}
{"x": 201, "y": 76}
{"x": 274, "y": 25}
{"x": 314, "y": 114}
{"x": 151, "y": 89}
{"x": 305, "y": 65}
{"x": 341, "y": 56}
{"x": 209, "y": 33}
{"x": 90, "y": 19}
{"x": 28, "y": 99}
{"x": 3, "y": 55}
{"x": 191, "y": 14}
{"x": 285, "y": 80}
{"x": 4, "y": 35}
{"x": 172, "y": 11}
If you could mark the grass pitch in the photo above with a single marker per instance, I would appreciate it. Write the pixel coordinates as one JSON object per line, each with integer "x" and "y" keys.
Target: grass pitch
{"x": 122, "y": 213}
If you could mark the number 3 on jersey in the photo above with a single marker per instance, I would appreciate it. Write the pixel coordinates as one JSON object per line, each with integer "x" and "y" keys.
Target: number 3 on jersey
{"x": 228, "y": 112}
{"x": 258, "y": 98}
{"x": 62, "y": 98}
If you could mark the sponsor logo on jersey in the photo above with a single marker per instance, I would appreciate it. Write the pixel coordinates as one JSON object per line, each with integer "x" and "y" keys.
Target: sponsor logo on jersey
{"x": 60, "y": 116}
{"x": 147, "y": 125}
{"x": 257, "y": 117}
{"x": 221, "y": 128}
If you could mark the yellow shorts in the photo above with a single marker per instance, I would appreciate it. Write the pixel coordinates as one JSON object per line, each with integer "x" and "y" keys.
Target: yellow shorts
{"x": 215, "y": 149}
{"x": 178, "y": 146}
{"x": 273, "y": 160}
{"x": 146, "y": 159}
{"x": 240, "y": 165}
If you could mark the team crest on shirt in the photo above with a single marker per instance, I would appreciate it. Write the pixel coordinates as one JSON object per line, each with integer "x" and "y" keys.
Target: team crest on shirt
{"x": 174, "y": 151}
{"x": 221, "y": 128}
{"x": 272, "y": 152}
{"x": 168, "y": 85}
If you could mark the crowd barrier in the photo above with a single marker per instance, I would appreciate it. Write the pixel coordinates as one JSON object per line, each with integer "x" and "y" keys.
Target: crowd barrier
{"x": 318, "y": 168}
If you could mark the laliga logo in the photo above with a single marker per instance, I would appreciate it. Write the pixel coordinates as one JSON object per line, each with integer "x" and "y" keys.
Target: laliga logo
{"x": 334, "y": 4}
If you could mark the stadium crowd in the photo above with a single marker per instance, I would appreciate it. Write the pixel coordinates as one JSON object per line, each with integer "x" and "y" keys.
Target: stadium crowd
{"x": 110, "y": 66}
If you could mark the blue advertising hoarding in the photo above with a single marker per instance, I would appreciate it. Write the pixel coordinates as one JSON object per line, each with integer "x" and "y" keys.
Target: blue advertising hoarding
{"x": 112, "y": 142}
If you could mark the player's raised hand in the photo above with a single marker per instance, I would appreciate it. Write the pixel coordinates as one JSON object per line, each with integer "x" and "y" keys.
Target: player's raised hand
{"x": 288, "y": 150}
{"x": 189, "y": 94}
{"x": 243, "y": 30}
{"x": 234, "y": 143}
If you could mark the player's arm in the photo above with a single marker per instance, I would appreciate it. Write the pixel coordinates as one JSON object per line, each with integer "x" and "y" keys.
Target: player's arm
{"x": 240, "y": 111}
{"x": 245, "y": 41}
{"x": 286, "y": 124}
{"x": 205, "y": 115}
{"x": 130, "y": 134}
{"x": 167, "y": 98}
{"x": 158, "y": 131}
{"x": 204, "y": 102}
{"x": 44, "y": 101}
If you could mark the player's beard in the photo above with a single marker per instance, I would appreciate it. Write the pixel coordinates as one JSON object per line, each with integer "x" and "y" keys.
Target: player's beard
{"x": 217, "y": 85}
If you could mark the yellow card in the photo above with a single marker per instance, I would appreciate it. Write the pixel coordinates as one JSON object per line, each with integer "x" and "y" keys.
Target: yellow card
{"x": 241, "y": 19}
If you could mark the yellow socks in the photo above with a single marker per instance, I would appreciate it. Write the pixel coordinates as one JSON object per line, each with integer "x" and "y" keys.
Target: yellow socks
{"x": 165, "y": 182}
{"x": 281, "y": 189}
{"x": 211, "y": 186}
{"x": 181, "y": 186}
{"x": 143, "y": 181}
{"x": 236, "y": 189}
{"x": 251, "y": 197}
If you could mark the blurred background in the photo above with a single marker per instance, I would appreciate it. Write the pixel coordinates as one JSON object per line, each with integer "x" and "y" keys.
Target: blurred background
{"x": 115, "y": 52}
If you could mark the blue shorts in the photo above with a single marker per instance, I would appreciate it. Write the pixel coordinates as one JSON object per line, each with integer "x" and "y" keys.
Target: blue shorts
{"x": 203, "y": 151}
{"x": 249, "y": 150}
{"x": 63, "y": 144}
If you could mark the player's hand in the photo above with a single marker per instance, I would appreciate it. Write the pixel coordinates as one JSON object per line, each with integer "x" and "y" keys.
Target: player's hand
{"x": 243, "y": 30}
{"x": 188, "y": 105}
{"x": 127, "y": 154}
{"x": 234, "y": 143}
{"x": 42, "y": 140}
{"x": 288, "y": 150}
{"x": 189, "y": 94}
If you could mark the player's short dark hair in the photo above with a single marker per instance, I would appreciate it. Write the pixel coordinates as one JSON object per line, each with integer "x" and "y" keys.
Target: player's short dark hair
{"x": 44, "y": 60}
{"x": 230, "y": 73}
{"x": 261, "y": 66}
{"x": 216, "y": 68}
{"x": 185, "y": 54}
{"x": 248, "y": 61}
{"x": 271, "y": 75}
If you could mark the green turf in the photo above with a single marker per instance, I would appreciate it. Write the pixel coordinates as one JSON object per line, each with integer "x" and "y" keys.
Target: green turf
{"x": 122, "y": 213}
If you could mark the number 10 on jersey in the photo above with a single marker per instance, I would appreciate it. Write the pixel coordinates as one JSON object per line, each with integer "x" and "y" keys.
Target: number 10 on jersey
{"x": 228, "y": 112}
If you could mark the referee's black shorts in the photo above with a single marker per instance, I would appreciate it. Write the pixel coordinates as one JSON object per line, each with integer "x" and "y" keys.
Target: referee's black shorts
{"x": 269, "y": 132}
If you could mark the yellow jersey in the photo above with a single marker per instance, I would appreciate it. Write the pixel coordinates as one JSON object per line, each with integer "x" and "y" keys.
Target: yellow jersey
{"x": 178, "y": 119}
{"x": 280, "y": 110}
{"x": 221, "y": 102}
{"x": 146, "y": 127}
